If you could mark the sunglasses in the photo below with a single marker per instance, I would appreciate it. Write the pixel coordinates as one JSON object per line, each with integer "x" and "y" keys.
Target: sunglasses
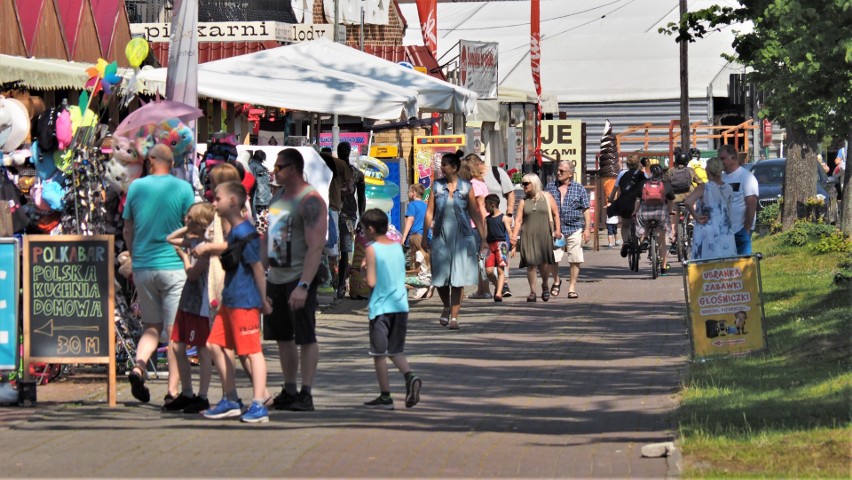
{"x": 525, "y": 184}
{"x": 278, "y": 168}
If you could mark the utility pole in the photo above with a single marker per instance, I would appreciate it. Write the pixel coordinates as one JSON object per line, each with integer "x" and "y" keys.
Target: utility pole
{"x": 684, "y": 83}
{"x": 335, "y": 128}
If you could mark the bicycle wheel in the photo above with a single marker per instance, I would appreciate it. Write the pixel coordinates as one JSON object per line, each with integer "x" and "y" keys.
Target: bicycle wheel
{"x": 633, "y": 257}
{"x": 653, "y": 253}
{"x": 681, "y": 240}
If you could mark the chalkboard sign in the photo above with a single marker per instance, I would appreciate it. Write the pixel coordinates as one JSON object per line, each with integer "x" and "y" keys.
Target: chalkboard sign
{"x": 69, "y": 302}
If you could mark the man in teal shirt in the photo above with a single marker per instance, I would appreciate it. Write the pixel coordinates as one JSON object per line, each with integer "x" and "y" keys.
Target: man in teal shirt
{"x": 155, "y": 207}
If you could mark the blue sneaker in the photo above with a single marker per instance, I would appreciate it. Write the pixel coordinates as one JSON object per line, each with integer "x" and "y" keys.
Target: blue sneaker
{"x": 256, "y": 413}
{"x": 224, "y": 409}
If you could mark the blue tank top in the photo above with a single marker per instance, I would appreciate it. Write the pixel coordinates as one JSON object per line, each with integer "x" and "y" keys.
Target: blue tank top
{"x": 389, "y": 295}
{"x": 496, "y": 229}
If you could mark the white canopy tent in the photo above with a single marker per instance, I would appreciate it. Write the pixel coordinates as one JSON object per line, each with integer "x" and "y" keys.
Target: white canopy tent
{"x": 44, "y": 73}
{"x": 271, "y": 79}
{"x": 433, "y": 94}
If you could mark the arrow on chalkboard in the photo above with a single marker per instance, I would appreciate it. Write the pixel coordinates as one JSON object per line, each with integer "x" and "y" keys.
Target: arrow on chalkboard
{"x": 48, "y": 328}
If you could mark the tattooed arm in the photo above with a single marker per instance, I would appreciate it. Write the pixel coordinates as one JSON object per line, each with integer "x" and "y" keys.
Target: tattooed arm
{"x": 315, "y": 215}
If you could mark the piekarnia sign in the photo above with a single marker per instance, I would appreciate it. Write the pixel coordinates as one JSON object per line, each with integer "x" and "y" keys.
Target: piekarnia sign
{"x": 240, "y": 31}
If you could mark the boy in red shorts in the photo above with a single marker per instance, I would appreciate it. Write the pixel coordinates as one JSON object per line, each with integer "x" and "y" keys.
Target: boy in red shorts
{"x": 498, "y": 227}
{"x": 237, "y": 323}
{"x": 192, "y": 323}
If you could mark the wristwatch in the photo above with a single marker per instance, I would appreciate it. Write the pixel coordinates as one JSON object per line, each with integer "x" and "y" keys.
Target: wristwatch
{"x": 304, "y": 285}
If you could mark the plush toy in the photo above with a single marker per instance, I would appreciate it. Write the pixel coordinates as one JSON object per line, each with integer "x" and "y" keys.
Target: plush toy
{"x": 178, "y": 137}
{"x": 14, "y": 124}
{"x": 125, "y": 263}
{"x": 118, "y": 175}
{"x": 53, "y": 193}
{"x": 125, "y": 151}
{"x": 64, "y": 130}
{"x": 143, "y": 144}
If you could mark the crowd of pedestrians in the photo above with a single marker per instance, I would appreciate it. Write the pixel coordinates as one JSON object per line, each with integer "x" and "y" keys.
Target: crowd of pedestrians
{"x": 245, "y": 266}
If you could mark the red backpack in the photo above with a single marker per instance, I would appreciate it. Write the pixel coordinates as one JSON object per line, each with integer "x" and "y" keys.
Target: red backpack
{"x": 654, "y": 193}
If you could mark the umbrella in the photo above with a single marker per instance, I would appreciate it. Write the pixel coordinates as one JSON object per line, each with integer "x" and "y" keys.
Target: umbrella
{"x": 156, "y": 112}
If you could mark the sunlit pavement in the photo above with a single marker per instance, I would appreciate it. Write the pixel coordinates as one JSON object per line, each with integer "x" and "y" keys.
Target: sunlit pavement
{"x": 567, "y": 388}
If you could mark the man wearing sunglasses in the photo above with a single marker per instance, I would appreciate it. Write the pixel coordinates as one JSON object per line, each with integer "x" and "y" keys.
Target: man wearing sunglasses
{"x": 573, "y": 202}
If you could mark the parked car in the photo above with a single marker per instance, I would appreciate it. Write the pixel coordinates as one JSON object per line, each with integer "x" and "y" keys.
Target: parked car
{"x": 770, "y": 179}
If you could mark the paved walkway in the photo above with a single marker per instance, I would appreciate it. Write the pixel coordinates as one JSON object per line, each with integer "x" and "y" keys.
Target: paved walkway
{"x": 569, "y": 388}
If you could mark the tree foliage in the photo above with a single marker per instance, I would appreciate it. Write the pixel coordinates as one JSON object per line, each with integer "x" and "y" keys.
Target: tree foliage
{"x": 800, "y": 55}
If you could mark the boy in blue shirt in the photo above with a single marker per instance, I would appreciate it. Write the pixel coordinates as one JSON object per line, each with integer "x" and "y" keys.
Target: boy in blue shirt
{"x": 388, "y": 307}
{"x": 237, "y": 323}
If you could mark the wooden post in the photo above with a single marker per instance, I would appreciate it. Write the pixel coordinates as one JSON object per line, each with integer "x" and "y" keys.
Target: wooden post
{"x": 684, "y": 82}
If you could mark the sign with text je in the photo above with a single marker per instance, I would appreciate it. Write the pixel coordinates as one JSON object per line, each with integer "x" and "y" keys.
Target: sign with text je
{"x": 69, "y": 298}
{"x": 562, "y": 140}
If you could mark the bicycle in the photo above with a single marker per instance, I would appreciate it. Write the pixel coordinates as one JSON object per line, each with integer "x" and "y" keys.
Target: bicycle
{"x": 683, "y": 232}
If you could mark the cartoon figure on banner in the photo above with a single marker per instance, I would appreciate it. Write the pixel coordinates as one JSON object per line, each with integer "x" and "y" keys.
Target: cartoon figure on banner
{"x": 379, "y": 191}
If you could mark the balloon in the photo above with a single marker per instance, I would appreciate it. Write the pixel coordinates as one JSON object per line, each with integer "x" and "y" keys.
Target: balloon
{"x": 136, "y": 51}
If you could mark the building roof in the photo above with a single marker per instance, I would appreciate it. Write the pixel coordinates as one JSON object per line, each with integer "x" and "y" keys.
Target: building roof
{"x": 595, "y": 51}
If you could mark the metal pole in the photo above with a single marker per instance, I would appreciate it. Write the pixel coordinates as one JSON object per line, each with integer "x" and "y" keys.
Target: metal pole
{"x": 684, "y": 85}
{"x": 335, "y": 128}
{"x": 361, "y": 32}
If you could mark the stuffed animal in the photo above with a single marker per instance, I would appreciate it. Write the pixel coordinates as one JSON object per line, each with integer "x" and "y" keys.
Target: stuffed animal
{"x": 64, "y": 130}
{"x": 125, "y": 151}
{"x": 143, "y": 144}
{"x": 118, "y": 175}
{"x": 14, "y": 124}
{"x": 178, "y": 137}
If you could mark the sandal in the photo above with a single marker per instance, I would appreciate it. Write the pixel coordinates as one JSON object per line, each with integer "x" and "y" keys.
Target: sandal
{"x": 137, "y": 385}
{"x": 445, "y": 318}
{"x": 573, "y": 295}
{"x": 531, "y": 297}
{"x": 498, "y": 298}
{"x": 554, "y": 290}
{"x": 454, "y": 324}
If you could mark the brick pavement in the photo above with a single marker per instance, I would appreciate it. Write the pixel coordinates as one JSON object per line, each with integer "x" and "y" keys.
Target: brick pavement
{"x": 569, "y": 388}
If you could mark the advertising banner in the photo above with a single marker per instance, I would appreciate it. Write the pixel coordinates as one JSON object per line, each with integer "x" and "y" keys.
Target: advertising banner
{"x": 428, "y": 151}
{"x": 563, "y": 140}
{"x": 478, "y": 67}
{"x": 725, "y": 307}
{"x": 9, "y": 282}
{"x": 358, "y": 140}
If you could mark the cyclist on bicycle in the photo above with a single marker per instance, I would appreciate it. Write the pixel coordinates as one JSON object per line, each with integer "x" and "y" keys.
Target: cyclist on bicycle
{"x": 697, "y": 165}
{"x": 654, "y": 204}
{"x": 683, "y": 180}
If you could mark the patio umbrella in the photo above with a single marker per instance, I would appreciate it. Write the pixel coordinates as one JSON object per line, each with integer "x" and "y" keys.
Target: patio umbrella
{"x": 156, "y": 112}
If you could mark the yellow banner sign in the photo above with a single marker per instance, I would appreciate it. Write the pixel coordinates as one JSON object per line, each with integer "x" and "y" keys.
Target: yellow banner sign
{"x": 563, "y": 140}
{"x": 725, "y": 307}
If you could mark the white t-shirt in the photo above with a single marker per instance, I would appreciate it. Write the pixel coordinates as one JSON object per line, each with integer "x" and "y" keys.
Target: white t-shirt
{"x": 499, "y": 187}
{"x": 744, "y": 185}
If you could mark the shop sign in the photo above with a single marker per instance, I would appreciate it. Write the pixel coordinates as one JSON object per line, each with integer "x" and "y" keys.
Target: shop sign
{"x": 725, "y": 308}
{"x": 563, "y": 140}
{"x": 478, "y": 67}
{"x": 242, "y": 31}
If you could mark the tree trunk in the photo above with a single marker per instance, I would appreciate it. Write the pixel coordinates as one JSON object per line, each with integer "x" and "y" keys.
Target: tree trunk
{"x": 846, "y": 213}
{"x": 800, "y": 180}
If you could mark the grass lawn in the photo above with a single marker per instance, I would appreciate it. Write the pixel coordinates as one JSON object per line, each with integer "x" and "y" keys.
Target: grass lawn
{"x": 783, "y": 413}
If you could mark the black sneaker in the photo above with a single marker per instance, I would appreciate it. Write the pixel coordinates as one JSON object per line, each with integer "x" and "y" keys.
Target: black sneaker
{"x": 381, "y": 403}
{"x": 197, "y": 405}
{"x": 304, "y": 403}
{"x": 177, "y": 404}
{"x": 625, "y": 248}
{"x": 506, "y": 292}
{"x": 412, "y": 391}
{"x": 283, "y": 401}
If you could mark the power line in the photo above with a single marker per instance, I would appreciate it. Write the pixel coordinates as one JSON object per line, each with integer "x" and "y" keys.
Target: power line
{"x": 527, "y": 23}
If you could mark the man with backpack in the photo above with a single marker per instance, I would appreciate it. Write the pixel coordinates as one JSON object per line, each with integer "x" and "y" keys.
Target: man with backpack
{"x": 683, "y": 179}
{"x": 654, "y": 204}
{"x": 623, "y": 198}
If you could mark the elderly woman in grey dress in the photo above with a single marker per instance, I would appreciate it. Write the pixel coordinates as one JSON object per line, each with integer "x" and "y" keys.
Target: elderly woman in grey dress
{"x": 452, "y": 205}
{"x": 536, "y": 226}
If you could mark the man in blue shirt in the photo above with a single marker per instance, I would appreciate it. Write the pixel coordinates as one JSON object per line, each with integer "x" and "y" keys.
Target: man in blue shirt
{"x": 573, "y": 202}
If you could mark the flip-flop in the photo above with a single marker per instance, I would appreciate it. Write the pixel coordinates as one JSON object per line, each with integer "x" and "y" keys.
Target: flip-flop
{"x": 554, "y": 290}
{"x": 573, "y": 295}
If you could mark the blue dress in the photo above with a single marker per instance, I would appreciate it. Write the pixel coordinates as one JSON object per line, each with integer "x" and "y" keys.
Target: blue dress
{"x": 715, "y": 239}
{"x": 453, "y": 247}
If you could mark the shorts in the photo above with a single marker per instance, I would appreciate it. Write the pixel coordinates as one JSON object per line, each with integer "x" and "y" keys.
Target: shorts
{"x": 191, "y": 329}
{"x": 346, "y": 226}
{"x": 159, "y": 295}
{"x": 573, "y": 248}
{"x": 334, "y": 250}
{"x": 284, "y": 325}
{"x": 743, "y": 241}
{"x": 611, "y": 228}
{"x": 680, "y": 197}
{"x": 496, "y": 255}
{"x": 237, "y": 329}
{"x": 415, "y": 241}
{"x": 387, "y": 334}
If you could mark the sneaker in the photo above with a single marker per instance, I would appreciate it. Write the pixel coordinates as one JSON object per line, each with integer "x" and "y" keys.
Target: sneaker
{"x": 283, "y": 401}
{"x": 381, "y": 403}
{"x": 506, "y": 292}
{"x": 624, "y": 249}
{"x": 610, "y": 245}
{"x": 256, "y": 413}
{"x": 177, "y": 404}
{"x": 197, "y": 405}
{"x": 480, "y": 296}
{"x": 618, "y": 243}
{"x": 412, "y": 391}
{"x": 224, "y": 409}
{"x": 304, "y": 403}
{"x": 645, "y": 245}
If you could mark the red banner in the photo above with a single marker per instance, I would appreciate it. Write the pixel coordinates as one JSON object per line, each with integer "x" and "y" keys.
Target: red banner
{"x": 535, "y": 64}
{"x": 427, "y": 10}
